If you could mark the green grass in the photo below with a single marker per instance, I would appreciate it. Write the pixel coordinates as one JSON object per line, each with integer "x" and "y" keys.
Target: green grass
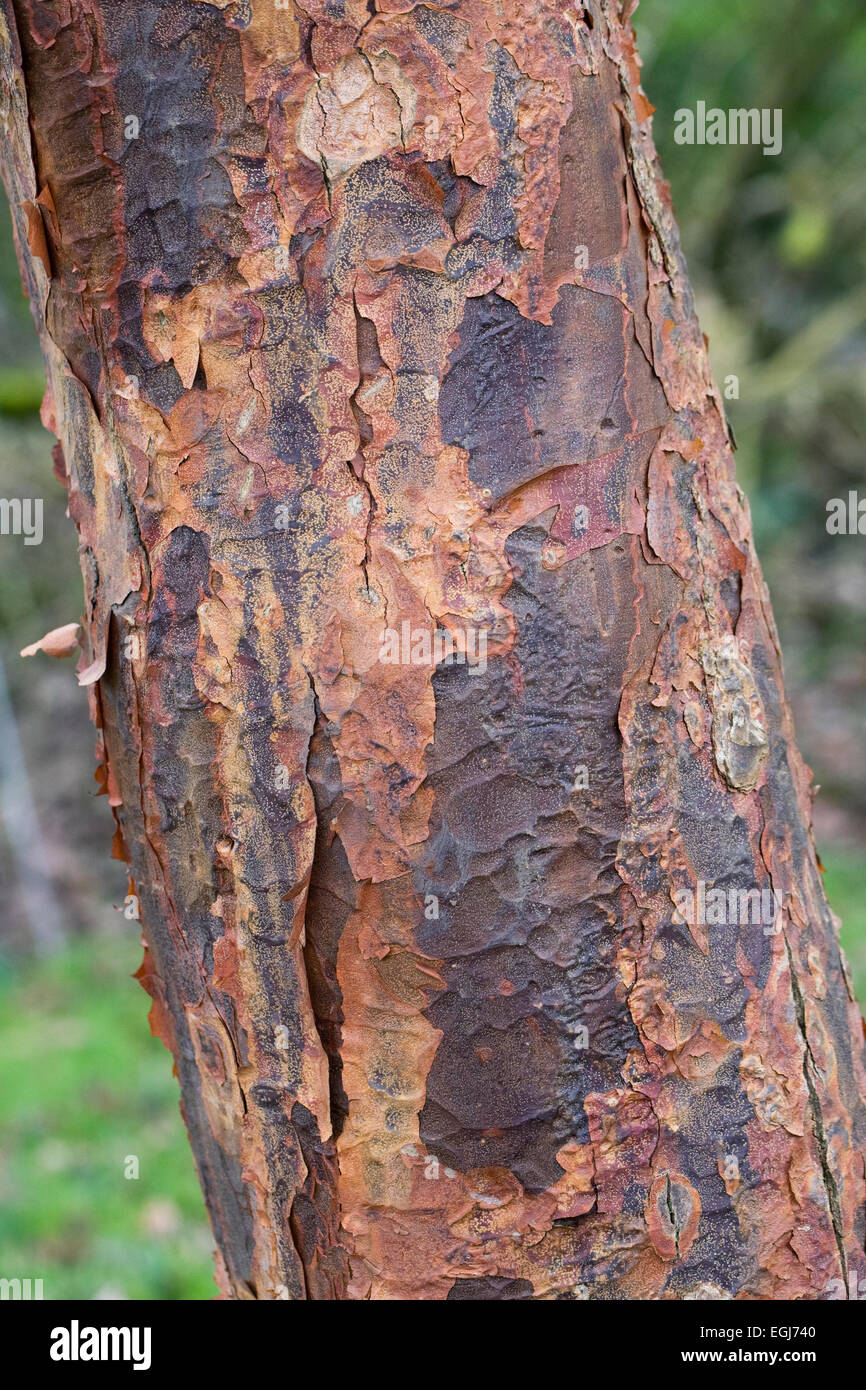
{"x": 844, "y": 881}
{"x": 84, "y": 1086}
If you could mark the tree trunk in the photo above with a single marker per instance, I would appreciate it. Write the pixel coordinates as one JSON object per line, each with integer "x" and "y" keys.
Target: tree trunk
{"x": 438, "y": 692}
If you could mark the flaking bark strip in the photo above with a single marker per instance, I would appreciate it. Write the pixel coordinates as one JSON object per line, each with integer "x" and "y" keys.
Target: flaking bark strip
{"x": 818, "y": 1121}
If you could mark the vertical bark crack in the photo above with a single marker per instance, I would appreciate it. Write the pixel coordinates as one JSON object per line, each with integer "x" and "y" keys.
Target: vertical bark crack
{"x": 830, "y": 1184}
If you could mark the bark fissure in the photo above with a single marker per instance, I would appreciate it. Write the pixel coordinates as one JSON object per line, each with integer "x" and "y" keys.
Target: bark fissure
{"x": 818, "y": 1120}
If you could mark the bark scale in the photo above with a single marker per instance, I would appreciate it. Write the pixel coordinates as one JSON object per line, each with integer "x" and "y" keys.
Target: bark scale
{"x": 366, "y": 324}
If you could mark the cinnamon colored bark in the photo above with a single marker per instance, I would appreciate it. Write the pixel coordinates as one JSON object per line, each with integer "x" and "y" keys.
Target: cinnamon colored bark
{"x": 362, "y": 316}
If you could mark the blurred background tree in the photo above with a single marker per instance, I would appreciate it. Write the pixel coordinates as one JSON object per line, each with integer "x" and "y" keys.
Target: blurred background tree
{"x": 777, "y": 253}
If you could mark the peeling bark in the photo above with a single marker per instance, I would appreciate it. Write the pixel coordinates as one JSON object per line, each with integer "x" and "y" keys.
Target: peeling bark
{"x": 362, "y": 316}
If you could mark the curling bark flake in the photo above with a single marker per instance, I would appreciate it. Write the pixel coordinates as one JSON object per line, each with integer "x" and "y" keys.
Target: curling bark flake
{"x": 380, "y": 325}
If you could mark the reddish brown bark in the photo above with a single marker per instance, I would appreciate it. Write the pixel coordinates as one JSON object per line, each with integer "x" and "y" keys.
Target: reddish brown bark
{"x": 380, "y": 318}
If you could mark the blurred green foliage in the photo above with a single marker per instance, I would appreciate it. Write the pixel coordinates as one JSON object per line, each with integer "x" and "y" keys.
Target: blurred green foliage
{"x": 21, "y": 390}
{"x": 777, "y": 251}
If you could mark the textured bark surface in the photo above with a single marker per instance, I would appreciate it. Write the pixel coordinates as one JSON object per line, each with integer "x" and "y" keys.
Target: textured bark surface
{"x": 380, "y": 317}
